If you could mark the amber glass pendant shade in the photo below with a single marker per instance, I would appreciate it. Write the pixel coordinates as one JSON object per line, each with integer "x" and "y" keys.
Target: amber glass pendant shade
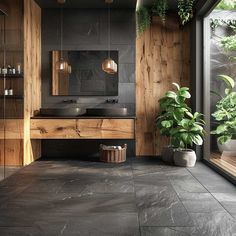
{"x": 62, "y": 66}
{"x": 109, "y": 66}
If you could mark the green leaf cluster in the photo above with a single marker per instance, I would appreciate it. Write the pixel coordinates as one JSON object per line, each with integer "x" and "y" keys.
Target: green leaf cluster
{"x": 225, "y": 113}
{"x": 185, "y": 10}
{"x": 160, "y": 8}
{"x": 227, "y": 5}
{"x": 228, "y": 43}
{"x": 176, "y": 120}
{"x": 143, "y": 19}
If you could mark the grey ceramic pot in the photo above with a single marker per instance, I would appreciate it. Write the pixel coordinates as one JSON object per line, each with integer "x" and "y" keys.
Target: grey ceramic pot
{"x": 167, "y": 154}
{"x": 185, "y": 157}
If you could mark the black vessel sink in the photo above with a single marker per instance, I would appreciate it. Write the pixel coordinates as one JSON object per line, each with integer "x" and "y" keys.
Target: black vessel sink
{"x": 107, "y": 112}
{"x": 62, "y": 112}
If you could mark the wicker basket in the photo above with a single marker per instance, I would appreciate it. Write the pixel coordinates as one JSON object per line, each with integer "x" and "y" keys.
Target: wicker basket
{"x": 113, "y": 155}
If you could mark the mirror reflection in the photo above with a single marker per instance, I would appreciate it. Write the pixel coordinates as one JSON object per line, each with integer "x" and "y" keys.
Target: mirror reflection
{"x": 84, "y": 75}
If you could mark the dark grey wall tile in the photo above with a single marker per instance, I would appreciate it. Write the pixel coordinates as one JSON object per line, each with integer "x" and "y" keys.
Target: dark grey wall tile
{"x": 87, "y": 29}
{"x": 127, "y": 73}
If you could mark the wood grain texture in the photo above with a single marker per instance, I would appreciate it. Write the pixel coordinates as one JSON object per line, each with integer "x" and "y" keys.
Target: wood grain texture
{"x": 60, "y": 81}
{"x": 11, "y": 152}
{"x": 13, "y": 129}
{"x": 162, "y": 57}
{"x": 82, "y": 129}
{"x": 32, "y": 75}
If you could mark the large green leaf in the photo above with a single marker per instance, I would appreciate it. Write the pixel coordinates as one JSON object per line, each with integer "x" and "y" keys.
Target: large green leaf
{"x": 224, "y": 138}
{"x": 228, "y": 80}
{"x": 197, "y": 139}
{"x": 176, "y": 85}
{"x": 185, "y": 94}
{"x": 167, "y": 123}
{"x": 171, "y": 94}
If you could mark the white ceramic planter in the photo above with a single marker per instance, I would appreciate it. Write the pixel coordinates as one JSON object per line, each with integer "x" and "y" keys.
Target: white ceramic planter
{"x": 185, "y": 157}
{"x": 229, "y": 146}
{"x": 167, "y": 154}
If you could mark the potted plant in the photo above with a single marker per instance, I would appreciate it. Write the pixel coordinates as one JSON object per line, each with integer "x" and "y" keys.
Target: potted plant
{"x": 172, "y": 110}
{"x": 189, "y": 131}
{"x": 225, "y": 115}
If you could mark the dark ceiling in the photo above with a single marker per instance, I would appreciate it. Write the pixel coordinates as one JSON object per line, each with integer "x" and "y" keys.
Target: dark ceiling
{"x": 87, "y": 4}
{"x": 172, "y": 4}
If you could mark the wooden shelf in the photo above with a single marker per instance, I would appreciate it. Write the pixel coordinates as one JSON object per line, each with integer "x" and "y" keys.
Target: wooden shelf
{"x": 12, "y": 76}
{"x": 11, "y": 96}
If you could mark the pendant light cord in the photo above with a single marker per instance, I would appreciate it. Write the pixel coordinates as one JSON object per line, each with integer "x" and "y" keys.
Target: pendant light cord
{"x": 4, "y": 98}
{"x": 109, "y": 31}
{"x": 61, "y": 20}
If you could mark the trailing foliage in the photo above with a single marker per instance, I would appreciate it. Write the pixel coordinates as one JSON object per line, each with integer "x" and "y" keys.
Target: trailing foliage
{"x": 225, "y": 112}
{"x": 143, "y": 19}
{"x": 228, "y": 43}
{"x": 160, "y": 8}
{"x": 185, "y": 10}
{"x": 176, "y": 120}
{"x": 214, "y": 23}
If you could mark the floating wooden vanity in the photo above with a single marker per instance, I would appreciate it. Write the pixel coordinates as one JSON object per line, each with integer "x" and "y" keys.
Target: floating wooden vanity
{"x": 83, "y": 128}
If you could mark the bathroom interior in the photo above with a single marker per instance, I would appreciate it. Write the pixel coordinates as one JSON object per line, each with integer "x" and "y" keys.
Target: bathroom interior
{"x": 79, "y": 75}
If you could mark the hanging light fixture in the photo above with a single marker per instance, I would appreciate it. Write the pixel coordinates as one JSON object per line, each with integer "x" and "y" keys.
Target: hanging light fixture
{"x": 62, "y": 64}
{"x": 109, "y": 65}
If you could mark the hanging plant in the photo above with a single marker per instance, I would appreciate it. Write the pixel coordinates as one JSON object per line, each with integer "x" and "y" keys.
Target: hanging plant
{"x": 143, "y": 19}
{"x": 185, "y": 10}
{"x": 160, "y": 8}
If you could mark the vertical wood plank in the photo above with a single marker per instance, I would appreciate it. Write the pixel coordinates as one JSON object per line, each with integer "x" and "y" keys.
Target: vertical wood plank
{"x": 162, "y": 57}
{"x": 32, "y": 75}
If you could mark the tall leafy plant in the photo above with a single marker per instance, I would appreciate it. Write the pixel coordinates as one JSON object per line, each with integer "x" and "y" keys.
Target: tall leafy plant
{"x": 185, "y": 10}
{"x": 160, "y": 8}
{"x": 225, "y": 113}
{"x": 172, "y": 109}
{"x": 189, "y": 131}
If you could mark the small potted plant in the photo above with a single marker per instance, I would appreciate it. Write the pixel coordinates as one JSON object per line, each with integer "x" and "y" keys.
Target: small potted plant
{"x": 172, "y": 110}
{"x": 189, "y": 131}
{"x": 225, "y": 116}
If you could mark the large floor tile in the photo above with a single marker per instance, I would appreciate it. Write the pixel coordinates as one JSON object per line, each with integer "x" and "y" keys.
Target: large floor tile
{"x": 160, "y": 206}
{"x": 200, "y": 203}
{"x": 103, "y": 224}
{"x": 215, "y": 224}
{"x": 169, "y": 231}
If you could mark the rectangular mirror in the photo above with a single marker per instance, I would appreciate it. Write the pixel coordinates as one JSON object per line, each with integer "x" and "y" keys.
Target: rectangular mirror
{"x": 86, "y": 77}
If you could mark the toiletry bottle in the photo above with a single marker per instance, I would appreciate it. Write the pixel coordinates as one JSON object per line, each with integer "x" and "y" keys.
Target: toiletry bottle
{"x": 18, "y": 68}
{"x": 10, "y": 91}
{"x": 6, "y": 92}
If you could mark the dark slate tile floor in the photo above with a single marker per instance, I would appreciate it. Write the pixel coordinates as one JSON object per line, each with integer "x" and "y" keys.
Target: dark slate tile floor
{"x": 141, "y": 197}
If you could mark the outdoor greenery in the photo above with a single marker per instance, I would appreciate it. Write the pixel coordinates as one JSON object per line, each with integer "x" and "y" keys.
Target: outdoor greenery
{"x": 225, "y": 113}
{"x": 227, "y": 5}
{"x": 176, "y": 120}
{"x": 228, "y": 43}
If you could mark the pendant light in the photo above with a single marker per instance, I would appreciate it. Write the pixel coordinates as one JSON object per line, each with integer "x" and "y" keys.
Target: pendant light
{"x": 62, "y": 64}
{"x": 109, "y": 65}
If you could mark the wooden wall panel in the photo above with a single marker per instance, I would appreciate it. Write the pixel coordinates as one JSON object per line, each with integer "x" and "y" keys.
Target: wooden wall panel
{"x": 32, "y": 75}
{"x": 162, "y": 57}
